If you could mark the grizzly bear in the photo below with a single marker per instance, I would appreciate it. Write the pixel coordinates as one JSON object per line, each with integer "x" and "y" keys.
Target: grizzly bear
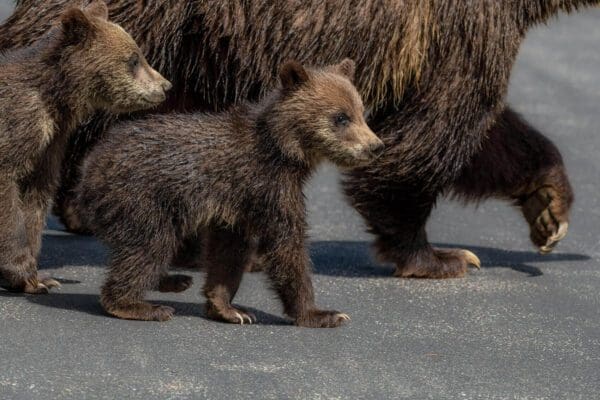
{"x": 84, "y": 63}
{"x": 434, "y": 75}
{"x": 228, "y": 178}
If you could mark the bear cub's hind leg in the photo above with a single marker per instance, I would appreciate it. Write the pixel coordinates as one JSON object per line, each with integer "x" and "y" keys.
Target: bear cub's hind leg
{"x": 227, "y": 253}
{"x": 132, "y": 273}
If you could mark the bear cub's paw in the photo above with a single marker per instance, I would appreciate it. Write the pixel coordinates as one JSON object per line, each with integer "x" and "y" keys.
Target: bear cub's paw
{"x": 322, "y": 319}
{"x": 142, "y": 311}
{"x": 229, "y": 313}
{"x": 40, "y": 285}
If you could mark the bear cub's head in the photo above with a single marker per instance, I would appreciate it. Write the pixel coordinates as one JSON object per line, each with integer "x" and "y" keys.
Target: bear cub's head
{"x": 325, "y": 113}
{"x": 105, "y": 63}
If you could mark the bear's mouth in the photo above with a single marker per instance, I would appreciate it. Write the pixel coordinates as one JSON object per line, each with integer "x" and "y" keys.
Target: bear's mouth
{"x": 353, "y": 159}
{"x": 154, "y": 100}
{"x": 142, "y": 103}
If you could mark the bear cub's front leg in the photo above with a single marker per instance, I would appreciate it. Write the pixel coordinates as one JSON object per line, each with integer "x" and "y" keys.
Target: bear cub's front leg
{"x": 18, "y": 265}
{"x": 288, "y": 267}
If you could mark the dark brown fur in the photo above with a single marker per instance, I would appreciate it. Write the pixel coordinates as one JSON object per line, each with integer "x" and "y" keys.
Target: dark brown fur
{"x": 46, "y": 91}
{"x": 228, "y": 178}
{"x": 434, "y": 73}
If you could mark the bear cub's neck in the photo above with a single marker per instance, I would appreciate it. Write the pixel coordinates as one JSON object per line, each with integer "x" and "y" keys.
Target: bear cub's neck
{"x": 281, "y": 149}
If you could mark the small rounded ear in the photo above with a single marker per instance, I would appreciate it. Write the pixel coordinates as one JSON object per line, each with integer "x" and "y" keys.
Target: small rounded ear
{"x": 347, "y": 68}
{"x": 76, "y": 26}
{"x": 97, "y": 9}
{"x": 292, "y": 75}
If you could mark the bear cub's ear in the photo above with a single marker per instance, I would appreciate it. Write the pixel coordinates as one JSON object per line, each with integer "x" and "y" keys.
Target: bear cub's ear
{"x": 76, "y": 26}
{"x": 97, "y": 9}
{"x": 292, "y": 75}
{"x": 347, "y": 68}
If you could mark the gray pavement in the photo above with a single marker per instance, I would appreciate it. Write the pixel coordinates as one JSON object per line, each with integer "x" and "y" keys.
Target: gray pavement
{"x": 5, "y": 9}
{"x": 524, "y": 327}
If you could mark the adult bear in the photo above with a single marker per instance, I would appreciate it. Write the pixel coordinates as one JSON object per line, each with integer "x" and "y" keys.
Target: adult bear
{"x": 434, "y": 74}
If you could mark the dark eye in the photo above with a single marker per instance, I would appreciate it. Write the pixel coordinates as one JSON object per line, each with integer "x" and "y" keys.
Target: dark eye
{"x": 341, "y": 119}
{"x": 134, "y": 62}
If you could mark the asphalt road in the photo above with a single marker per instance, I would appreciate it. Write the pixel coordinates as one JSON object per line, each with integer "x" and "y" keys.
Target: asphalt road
{"x": 524, "y": 327}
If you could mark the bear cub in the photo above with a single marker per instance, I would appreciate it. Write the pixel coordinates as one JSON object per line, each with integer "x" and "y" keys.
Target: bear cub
{"x": 83, "y": 64}
{"x": 228, "y": 179}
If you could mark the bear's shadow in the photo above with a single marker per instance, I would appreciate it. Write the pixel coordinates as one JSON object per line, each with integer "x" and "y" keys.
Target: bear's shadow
{"x": 356, "y": 259}
{"x": 90, "y": 304}
{"x": 332, "y": 258}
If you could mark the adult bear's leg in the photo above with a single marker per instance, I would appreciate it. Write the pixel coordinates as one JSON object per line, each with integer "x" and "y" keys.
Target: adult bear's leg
{"x": 396, "y": 212}
{"x": 516, "y": 162}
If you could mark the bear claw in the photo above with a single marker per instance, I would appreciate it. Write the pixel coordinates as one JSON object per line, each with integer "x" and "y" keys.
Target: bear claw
{"x": 344, "y": 316}
{"x": 41, "y": 286}
{"x": 553, "y": 240}
{"x": 245, "y": 318}
{"x": 231, "y": 314}
{"x": 441, "y": 264}
{"x": 322, "y": 319}
{"x": 471, "y": 259}
{"x": 546, "y": 211}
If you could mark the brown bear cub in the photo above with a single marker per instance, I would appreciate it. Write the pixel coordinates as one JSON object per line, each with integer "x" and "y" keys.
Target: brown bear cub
{"x": 228, "y": 178}
{"x": 83, "y": 64}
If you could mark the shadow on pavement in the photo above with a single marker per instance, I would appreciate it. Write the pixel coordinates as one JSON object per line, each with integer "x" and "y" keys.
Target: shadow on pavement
{"x": 90, "y": 304}
{"x": 334, "y": 258}
{"x": 355, "y": 259}
{"x": 60, "y": 249}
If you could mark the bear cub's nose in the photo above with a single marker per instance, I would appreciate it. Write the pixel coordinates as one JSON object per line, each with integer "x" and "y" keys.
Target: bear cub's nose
{"x": 166, "y": 86}
{"x": 157, "y": 96}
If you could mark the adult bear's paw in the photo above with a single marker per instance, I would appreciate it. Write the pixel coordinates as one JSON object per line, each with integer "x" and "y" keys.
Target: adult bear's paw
{"x": 547, "y": 212}
{"x": 439, "y": 264}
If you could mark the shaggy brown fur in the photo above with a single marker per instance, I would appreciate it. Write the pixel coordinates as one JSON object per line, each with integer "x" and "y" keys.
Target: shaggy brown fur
{"x": 230, "y": 177}
{"x": 532, "y": 178}
{"x": 434, "y": 74}
{"x": 83, "y": 64}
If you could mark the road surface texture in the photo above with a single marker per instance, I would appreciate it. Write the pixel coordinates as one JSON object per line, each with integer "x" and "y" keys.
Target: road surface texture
{"x": 524, "y": 327}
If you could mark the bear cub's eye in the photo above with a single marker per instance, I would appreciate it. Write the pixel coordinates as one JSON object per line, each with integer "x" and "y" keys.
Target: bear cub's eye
{"x": 133, "y": 62}
{"x": 341, "y": 119}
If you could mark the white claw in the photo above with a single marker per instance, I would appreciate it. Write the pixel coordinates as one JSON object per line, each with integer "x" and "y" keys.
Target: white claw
{"x": 345, "y": 317}
{"x": 545, "y": 249}
{"x": 51, "y": 283}
{"x": 472, "y": 259}
{"x": 239, "y": 316}
{"x": 554, "y": 239}
{"x": 562, "y": 232}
